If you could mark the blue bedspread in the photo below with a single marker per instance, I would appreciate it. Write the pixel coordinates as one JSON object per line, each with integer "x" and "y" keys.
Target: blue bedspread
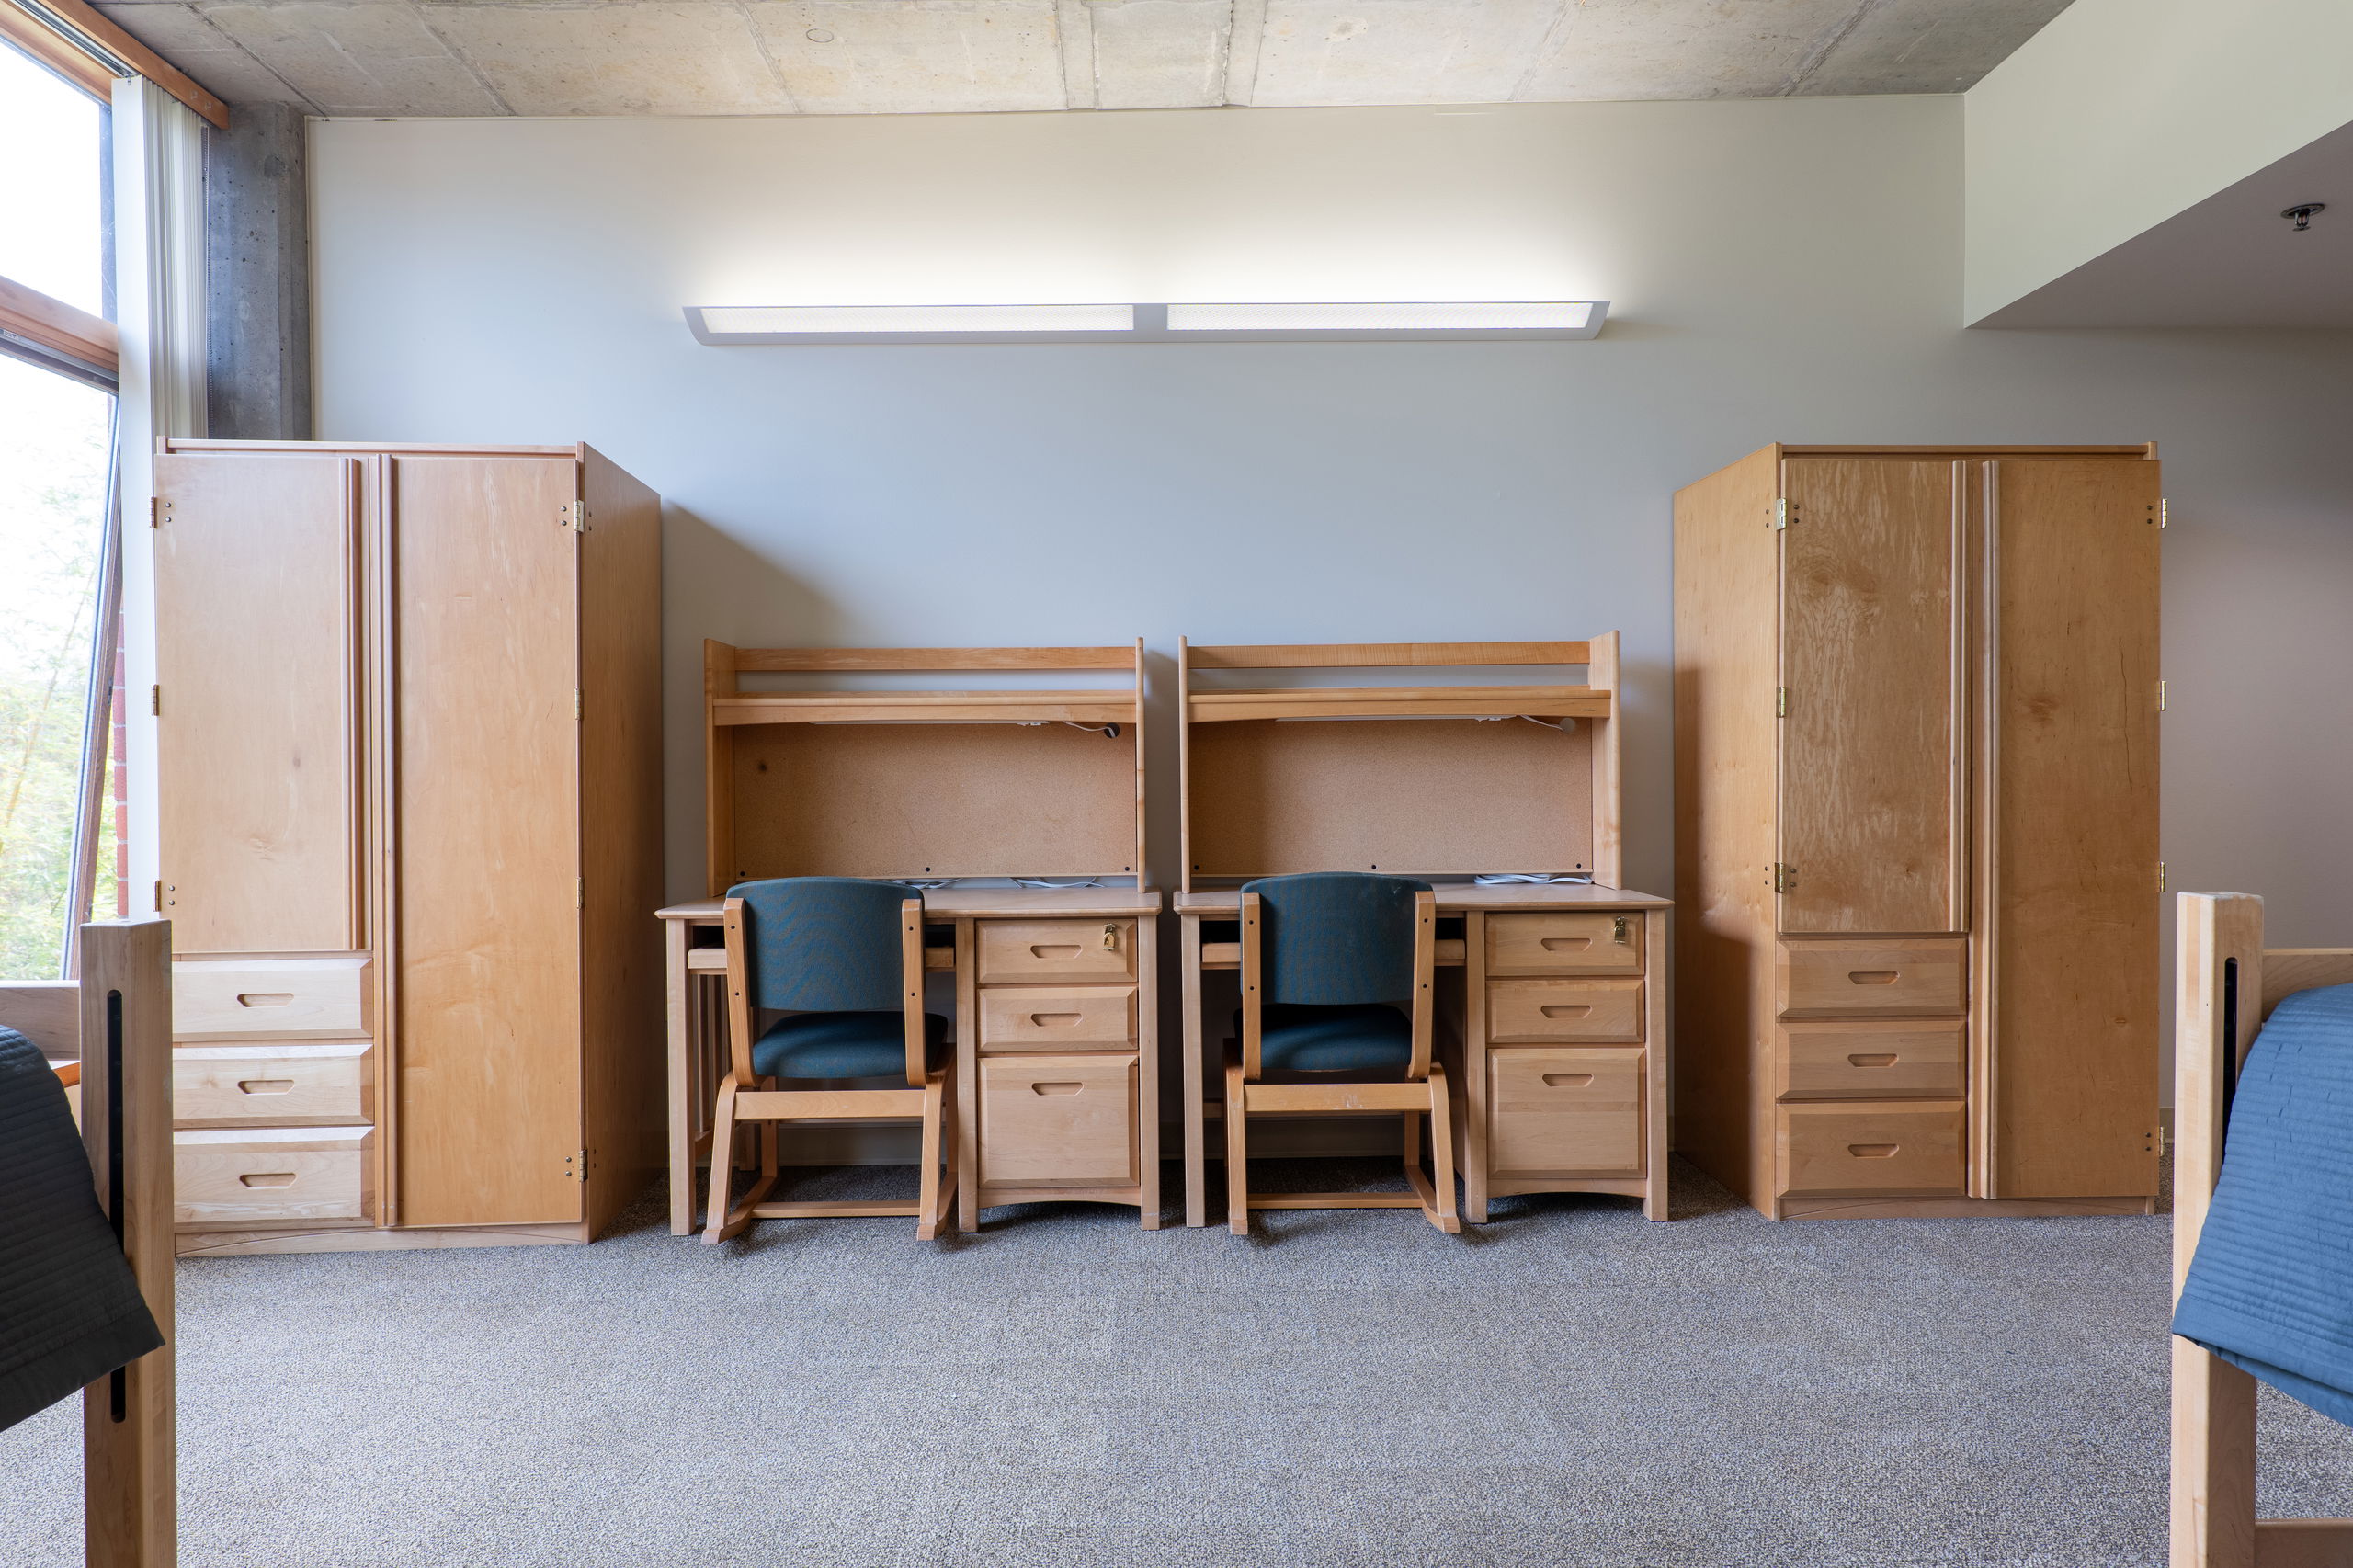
{"x": 2271, "y": 1287}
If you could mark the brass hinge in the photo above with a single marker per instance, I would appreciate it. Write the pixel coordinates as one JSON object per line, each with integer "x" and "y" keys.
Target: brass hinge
{"x": 576, "y": 515}
{"x": 581, "y": 894}
{"x": 159, "y": 895}
{"x": 2161, "y": 876}
{"x": 1779, "y": 515}
{"x": 576, "y": 1166}
{"x": 157, "y": 507}
{"x": 2156, "y": 1144}
{"x": 1781, "y": 702}
{"x": 155, "y": 700}
{"x": 2160, "y": 514}
{"x": 1785, "y": 877}
{"x": 577, "y": 711}
{"x": 2160, "y": 697}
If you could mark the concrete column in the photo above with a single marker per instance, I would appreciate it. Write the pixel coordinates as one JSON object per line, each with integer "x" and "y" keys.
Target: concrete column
{"x": 258, "y": 265}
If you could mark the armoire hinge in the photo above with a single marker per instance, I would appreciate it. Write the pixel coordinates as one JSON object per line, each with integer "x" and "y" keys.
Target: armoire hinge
{"x": 576, "y": 1165}
{"x": 580, "y": 894}
{"x": 157, "y": 507}
{"x": 2160, "y": 697}
{"x": 576, "y": 515}
{"x": 1781, "y": 702}
{"x": 2161, "y": 876}
{"x": 1781, "y": 514}
{"x": 1785, "y": 877}
{"x": 159, "y": 896}
{"x": 2160, "y": 514}
{"x": 575, "y": 703}
{"x": 155, "y": 700}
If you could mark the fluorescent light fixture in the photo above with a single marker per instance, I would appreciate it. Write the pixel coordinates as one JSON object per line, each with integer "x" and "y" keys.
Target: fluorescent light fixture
{"x": 1567, "y": 316}
{"x": 749, "y": 325}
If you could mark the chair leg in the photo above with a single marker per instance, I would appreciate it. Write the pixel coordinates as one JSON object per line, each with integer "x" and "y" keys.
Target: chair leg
{"x": 1441, "y": 1153}
{"x": 1237, "y": 1157}
{"x": 928, "y": 1197}
{"x": 717, "y": 1225}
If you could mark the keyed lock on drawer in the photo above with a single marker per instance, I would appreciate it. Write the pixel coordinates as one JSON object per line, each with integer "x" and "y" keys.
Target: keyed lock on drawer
{"x": 1111, "y": 939}
{"x": 1618, "y": 930}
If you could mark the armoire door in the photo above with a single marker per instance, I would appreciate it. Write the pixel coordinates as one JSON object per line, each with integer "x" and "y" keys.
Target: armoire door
{"x": 485, "y": 841}
{"x": 257, "y": 733}
{"x": 2072, "y": 895}
{"x": 1871, "y": 770}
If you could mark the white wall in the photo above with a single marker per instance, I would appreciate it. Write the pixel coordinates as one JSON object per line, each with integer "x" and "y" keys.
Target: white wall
{"x": 2120, "y": 113}
{"x": 1785, "y": 269}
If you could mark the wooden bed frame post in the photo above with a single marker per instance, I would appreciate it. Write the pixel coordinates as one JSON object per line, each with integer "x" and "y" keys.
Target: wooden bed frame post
{"x": 130, "y": 1486}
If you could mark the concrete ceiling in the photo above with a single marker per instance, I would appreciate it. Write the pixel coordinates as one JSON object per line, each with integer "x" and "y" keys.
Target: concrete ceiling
{"x": 2231, "y": 260}
{"x": 723, "y": 57}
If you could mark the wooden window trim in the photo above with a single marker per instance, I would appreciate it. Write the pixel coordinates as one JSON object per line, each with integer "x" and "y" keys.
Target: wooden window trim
{"x": 35, "y": 28}
{"x": 57, "y": 326}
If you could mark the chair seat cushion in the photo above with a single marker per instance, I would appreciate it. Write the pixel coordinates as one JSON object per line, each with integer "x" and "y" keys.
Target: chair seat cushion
{"x": 1368, "y": 1037}
{"x": 844, "y": 1045}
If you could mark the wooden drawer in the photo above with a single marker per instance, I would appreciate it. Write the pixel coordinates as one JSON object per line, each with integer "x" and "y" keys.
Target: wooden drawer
{"x": 1058, "y": 1120}
{"x": 1899, "y": 977}
{"x": 1059, "y": 1017}
{"x": 271, "y": 1084}
{"x": 1565, "y": 1012}
{"x": 269, "y": 998}
{"x": 1842, "y": 1061}
{"x": 231, "y": 1179}
{"x": 1027, "y": 952}
{"x": 1562, "y": 1111}
{"x": 1884, "y": 1147}
{"x": 1565, "y": 942}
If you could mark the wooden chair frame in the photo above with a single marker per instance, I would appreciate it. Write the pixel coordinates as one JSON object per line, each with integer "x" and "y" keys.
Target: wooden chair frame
{"x": 2226, "y": 984}
{"x": 744, "y": 1097}
{"x": 110, "y": 1034}
{"x": 1423, "y": 1093}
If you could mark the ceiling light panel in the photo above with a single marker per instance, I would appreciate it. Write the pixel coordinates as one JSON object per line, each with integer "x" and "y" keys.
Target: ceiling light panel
{"x": 1560, "y": 316}
{"x": 723, "y": 322}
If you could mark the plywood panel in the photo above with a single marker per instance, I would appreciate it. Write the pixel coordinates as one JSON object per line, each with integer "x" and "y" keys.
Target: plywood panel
{"x": 1413, "y": 797}
{"x": 932, "y": 800}
{"x": 488, "y": 1066}
{"x": 255, "y": 632}
{"x": 621, "y": 824}
{"x": 2075, "y": 917}
{"x": 1870, "y": 764}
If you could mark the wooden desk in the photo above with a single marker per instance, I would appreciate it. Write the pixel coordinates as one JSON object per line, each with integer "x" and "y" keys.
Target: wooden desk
{"x": 1615, "y": 1143}
{"x": 1089, "y": 1132}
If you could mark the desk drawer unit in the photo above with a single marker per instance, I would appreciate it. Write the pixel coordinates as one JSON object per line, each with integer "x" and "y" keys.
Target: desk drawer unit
{"x": 1058, "y": 1018}
{"x": 1065, "y": 1120}
{"x": 1902, "y": 977}
{"x": 1564, "y": 942}
{"x": 1565, "y": 1012}
{"x": 1565, "y": 1111}
{"x": 1048, "y": 952}
{"x": 232, "y": 1178}
{"x": 1911, "y": 1149}
{"x": 272, "y": 1084}
{"x": 1874, "y": 1059}
{"x": 231, "y": 999}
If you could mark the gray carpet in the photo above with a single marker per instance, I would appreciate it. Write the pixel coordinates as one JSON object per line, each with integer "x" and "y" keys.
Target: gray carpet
{"x": 1571, "y": 1385}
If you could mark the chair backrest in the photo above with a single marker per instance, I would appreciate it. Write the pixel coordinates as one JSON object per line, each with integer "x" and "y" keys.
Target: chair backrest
{"x": 824, "y": 943}
{"x": 1335, "y": 939}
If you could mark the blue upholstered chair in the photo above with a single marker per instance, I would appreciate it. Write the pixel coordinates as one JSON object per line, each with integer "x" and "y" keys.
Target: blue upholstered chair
{"x": 1335, "y": 1018}
{"x": 843, "y": 959}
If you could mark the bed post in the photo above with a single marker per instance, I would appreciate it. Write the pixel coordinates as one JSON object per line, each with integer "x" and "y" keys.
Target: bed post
{"x": 2217, "y": 1008}
{"x": 131, "y": 1504}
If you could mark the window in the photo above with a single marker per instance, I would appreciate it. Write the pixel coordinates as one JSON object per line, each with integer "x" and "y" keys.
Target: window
{"x": 60, "y": 812}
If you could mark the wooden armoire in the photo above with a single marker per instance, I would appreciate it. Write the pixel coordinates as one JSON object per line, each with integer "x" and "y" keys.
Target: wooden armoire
{"x": 1916, "y": 861}
{"x": 409, "y": 743}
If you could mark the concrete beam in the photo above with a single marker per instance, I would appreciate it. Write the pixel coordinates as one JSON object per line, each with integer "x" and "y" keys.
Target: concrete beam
{"x": 257, "y": 276}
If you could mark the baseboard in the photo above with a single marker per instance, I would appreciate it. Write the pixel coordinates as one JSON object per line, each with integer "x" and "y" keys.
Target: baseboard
{"x": 234, "y": 1244}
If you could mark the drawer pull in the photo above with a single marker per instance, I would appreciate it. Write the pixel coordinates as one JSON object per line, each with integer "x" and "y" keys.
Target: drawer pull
{"x": 268, "y": 1178}
{"x": 1053, "y": 954}
{"x": 1054, "y": 1020}
{"x": 1873, "y": 1150}
{"x": 264, "y": 1085}
{"x": 1111, "y": 939}
{"x": 1565, "y": 1009}
{"x": 265, "y": 998}
{"x": 1567, "y": 1080}
{"x": 1573, "y": 944}
{"x": 1054, "y": 1088}
{"x": 1872, "y": 976}
{"x": 1618, "y": 931}
{"x": 1874, "y": 1059}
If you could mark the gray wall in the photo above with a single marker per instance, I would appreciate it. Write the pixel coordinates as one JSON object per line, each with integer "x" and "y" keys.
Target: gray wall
{"x": 1783, "y": 270}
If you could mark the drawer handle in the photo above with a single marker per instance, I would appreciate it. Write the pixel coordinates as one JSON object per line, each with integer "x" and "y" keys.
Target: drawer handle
{"x": 1565, "y": 1009}
{"x": 1872, "y": 976}
{"x": 1618, "y": 930}
{"x": 1567, "y": 1080}
{"x": 264, "y": 1085}
{"x": 1053, "y": 1088}
{"x": 268, "y": 1178}
{"x": 1873, "y": 1150}
{"x": 1111, "y": 939}
{"x": 265, "y": 999}
{"x": 1876, "y": 1058}
{"x": 1054, "y": 1020}
{"x": 1053, "y": 953}
{"x": 1568, "y": 944}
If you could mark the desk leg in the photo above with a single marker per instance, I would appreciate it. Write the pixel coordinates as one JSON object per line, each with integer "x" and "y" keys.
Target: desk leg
{"x": 1197, "y": 1207}
{"x": 1658, "y": 1033}
{"x": 678, "y": 934}
{"x": 968, "y": 1082}
{"x": 1148, "y": 1070}
{"x": 1474, "y": 1087}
